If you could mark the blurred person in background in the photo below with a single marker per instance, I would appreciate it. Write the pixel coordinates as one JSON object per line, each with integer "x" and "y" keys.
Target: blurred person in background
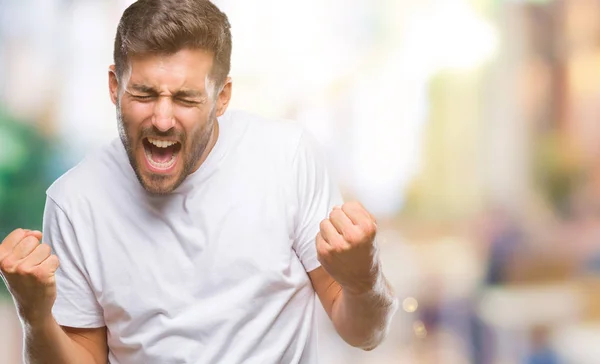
{"x": 202, "y": 234}
{"x": 542, "y": 351}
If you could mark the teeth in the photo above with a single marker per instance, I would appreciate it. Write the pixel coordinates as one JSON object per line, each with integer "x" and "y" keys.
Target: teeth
{"x": 161, "y": 143}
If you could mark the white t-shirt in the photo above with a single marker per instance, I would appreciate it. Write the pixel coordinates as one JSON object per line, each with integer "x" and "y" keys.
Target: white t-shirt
{"x": 214, "y": 272}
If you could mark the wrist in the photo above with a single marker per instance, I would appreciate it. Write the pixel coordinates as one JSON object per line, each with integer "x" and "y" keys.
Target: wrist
{"x": 36, "y": 321}
{"x": 373, "y": 284}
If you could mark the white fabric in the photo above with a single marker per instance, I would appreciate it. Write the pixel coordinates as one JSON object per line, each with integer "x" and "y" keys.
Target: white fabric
{"x": 214, "y": 272}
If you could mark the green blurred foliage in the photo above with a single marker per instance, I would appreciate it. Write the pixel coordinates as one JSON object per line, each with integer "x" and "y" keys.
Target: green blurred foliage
{"x": 25, "y": 156}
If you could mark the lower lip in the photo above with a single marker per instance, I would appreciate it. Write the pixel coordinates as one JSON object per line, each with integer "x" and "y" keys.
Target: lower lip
{"x": 157, "y": 170}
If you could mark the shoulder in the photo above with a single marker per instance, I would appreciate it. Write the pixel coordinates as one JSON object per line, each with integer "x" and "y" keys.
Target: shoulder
{"x": 92, "y": 177}
{"x": 269, "y": 135}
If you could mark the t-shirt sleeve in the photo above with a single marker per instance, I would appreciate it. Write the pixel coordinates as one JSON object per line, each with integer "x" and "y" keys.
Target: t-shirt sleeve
{"x": 317, "y": 195}
{"x": 76, "y": 304}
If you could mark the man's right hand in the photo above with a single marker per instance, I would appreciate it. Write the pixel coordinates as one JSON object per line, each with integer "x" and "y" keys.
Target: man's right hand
{"x": 28, "y": 268}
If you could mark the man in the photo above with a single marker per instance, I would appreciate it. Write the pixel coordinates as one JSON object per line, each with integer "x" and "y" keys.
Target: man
{"x": 202, "y": 235}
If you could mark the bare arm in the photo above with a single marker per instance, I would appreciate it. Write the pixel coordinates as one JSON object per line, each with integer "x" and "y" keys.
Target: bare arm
{"x": 350, "y": 283}
{"x": 28, "y": 268}
{"x": 50, "y": 343}
{"x": 361, "y": 319}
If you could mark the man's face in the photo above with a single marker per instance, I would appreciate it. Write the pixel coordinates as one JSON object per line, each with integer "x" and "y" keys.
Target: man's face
{"x": 167, "y": 109}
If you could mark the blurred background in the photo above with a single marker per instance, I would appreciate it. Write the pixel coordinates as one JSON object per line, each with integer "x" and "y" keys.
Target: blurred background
{"x": 471, "y": 129}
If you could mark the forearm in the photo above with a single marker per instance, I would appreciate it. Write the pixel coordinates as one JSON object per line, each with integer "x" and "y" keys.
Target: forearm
{"x": 46, "y": 342}
{"x": 363, "y": 319}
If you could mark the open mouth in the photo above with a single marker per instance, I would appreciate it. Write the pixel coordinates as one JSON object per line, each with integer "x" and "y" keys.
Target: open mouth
{"x": 161, "y": 155}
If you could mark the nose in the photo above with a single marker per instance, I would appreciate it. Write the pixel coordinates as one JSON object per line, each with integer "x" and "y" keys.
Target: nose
{"x": 163, "y": 118}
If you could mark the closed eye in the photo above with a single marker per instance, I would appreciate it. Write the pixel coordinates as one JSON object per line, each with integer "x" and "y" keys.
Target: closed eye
{"x": 190, "y": 103}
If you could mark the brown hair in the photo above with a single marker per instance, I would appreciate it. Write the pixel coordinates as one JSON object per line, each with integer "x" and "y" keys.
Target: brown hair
{"x": 167, "y": 26}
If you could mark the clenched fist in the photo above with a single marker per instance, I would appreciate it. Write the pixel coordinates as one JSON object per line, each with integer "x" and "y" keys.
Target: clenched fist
{"x": 346, "y": 248}
{"x": 28, "y": 269}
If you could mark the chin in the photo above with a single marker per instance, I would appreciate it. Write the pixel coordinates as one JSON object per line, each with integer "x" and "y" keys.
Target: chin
{"x": 156, "y": 180}
{"x": 158, "y": 186}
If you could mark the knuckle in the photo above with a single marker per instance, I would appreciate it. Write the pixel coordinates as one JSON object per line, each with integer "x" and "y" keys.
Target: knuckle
{"x": 360, "y": 233}
{"x": 322, "y": 250}
{"x": 351, "y": 204}
{"x": 26, "y": 245}
{"x": 371, "y": 229}
{"x": 340, "y": 240}
{"x": 340, "y": 237}
{"x": 324, "y": 257}
{"x": 54, "y": 261}
{"x": 16, "y": 234}
{"x": 334, "y": 212}
{"x": 24, "y": 270}
{"x": 323, "y": 224}
{"x": 31, "y": 240}
{"x": 319, "y": 243}
{"x": 40, "y": 274}
{"x": 319, "y": 239}
{"x": 353, "y": 236}
{"x": 321, "y": 253}
{"x": 7, "y": 265}
{"x": 44, "y": 249}
{"x": 339, "y": 249}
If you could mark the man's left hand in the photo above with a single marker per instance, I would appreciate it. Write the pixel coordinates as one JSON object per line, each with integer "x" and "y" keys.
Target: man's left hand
{"x": 347, "y": 250}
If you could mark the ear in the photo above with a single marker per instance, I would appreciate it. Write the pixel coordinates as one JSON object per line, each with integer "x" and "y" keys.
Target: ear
{"x": 224, "y": 97}
{"x": 113, "y": 84}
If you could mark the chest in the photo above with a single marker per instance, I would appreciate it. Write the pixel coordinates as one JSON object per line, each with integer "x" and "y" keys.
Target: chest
{"x": 215, "y": 247}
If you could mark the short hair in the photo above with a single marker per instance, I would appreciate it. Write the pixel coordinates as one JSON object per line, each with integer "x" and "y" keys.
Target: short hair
{"x": 168, "y": 26}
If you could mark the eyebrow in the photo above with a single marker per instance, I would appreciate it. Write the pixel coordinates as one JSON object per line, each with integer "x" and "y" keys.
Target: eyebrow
{"x": 181, "y": 93}
{"x": 142, "y": 88}
{"x": 189, "y": 93}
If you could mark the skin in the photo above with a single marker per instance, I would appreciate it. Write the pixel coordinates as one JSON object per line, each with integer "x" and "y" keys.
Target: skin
{"x": 350, "y": 283}
{"x": 170, "y": 97}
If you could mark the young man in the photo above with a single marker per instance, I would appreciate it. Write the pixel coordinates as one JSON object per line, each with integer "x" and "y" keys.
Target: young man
{"x": 201, "y": 235}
